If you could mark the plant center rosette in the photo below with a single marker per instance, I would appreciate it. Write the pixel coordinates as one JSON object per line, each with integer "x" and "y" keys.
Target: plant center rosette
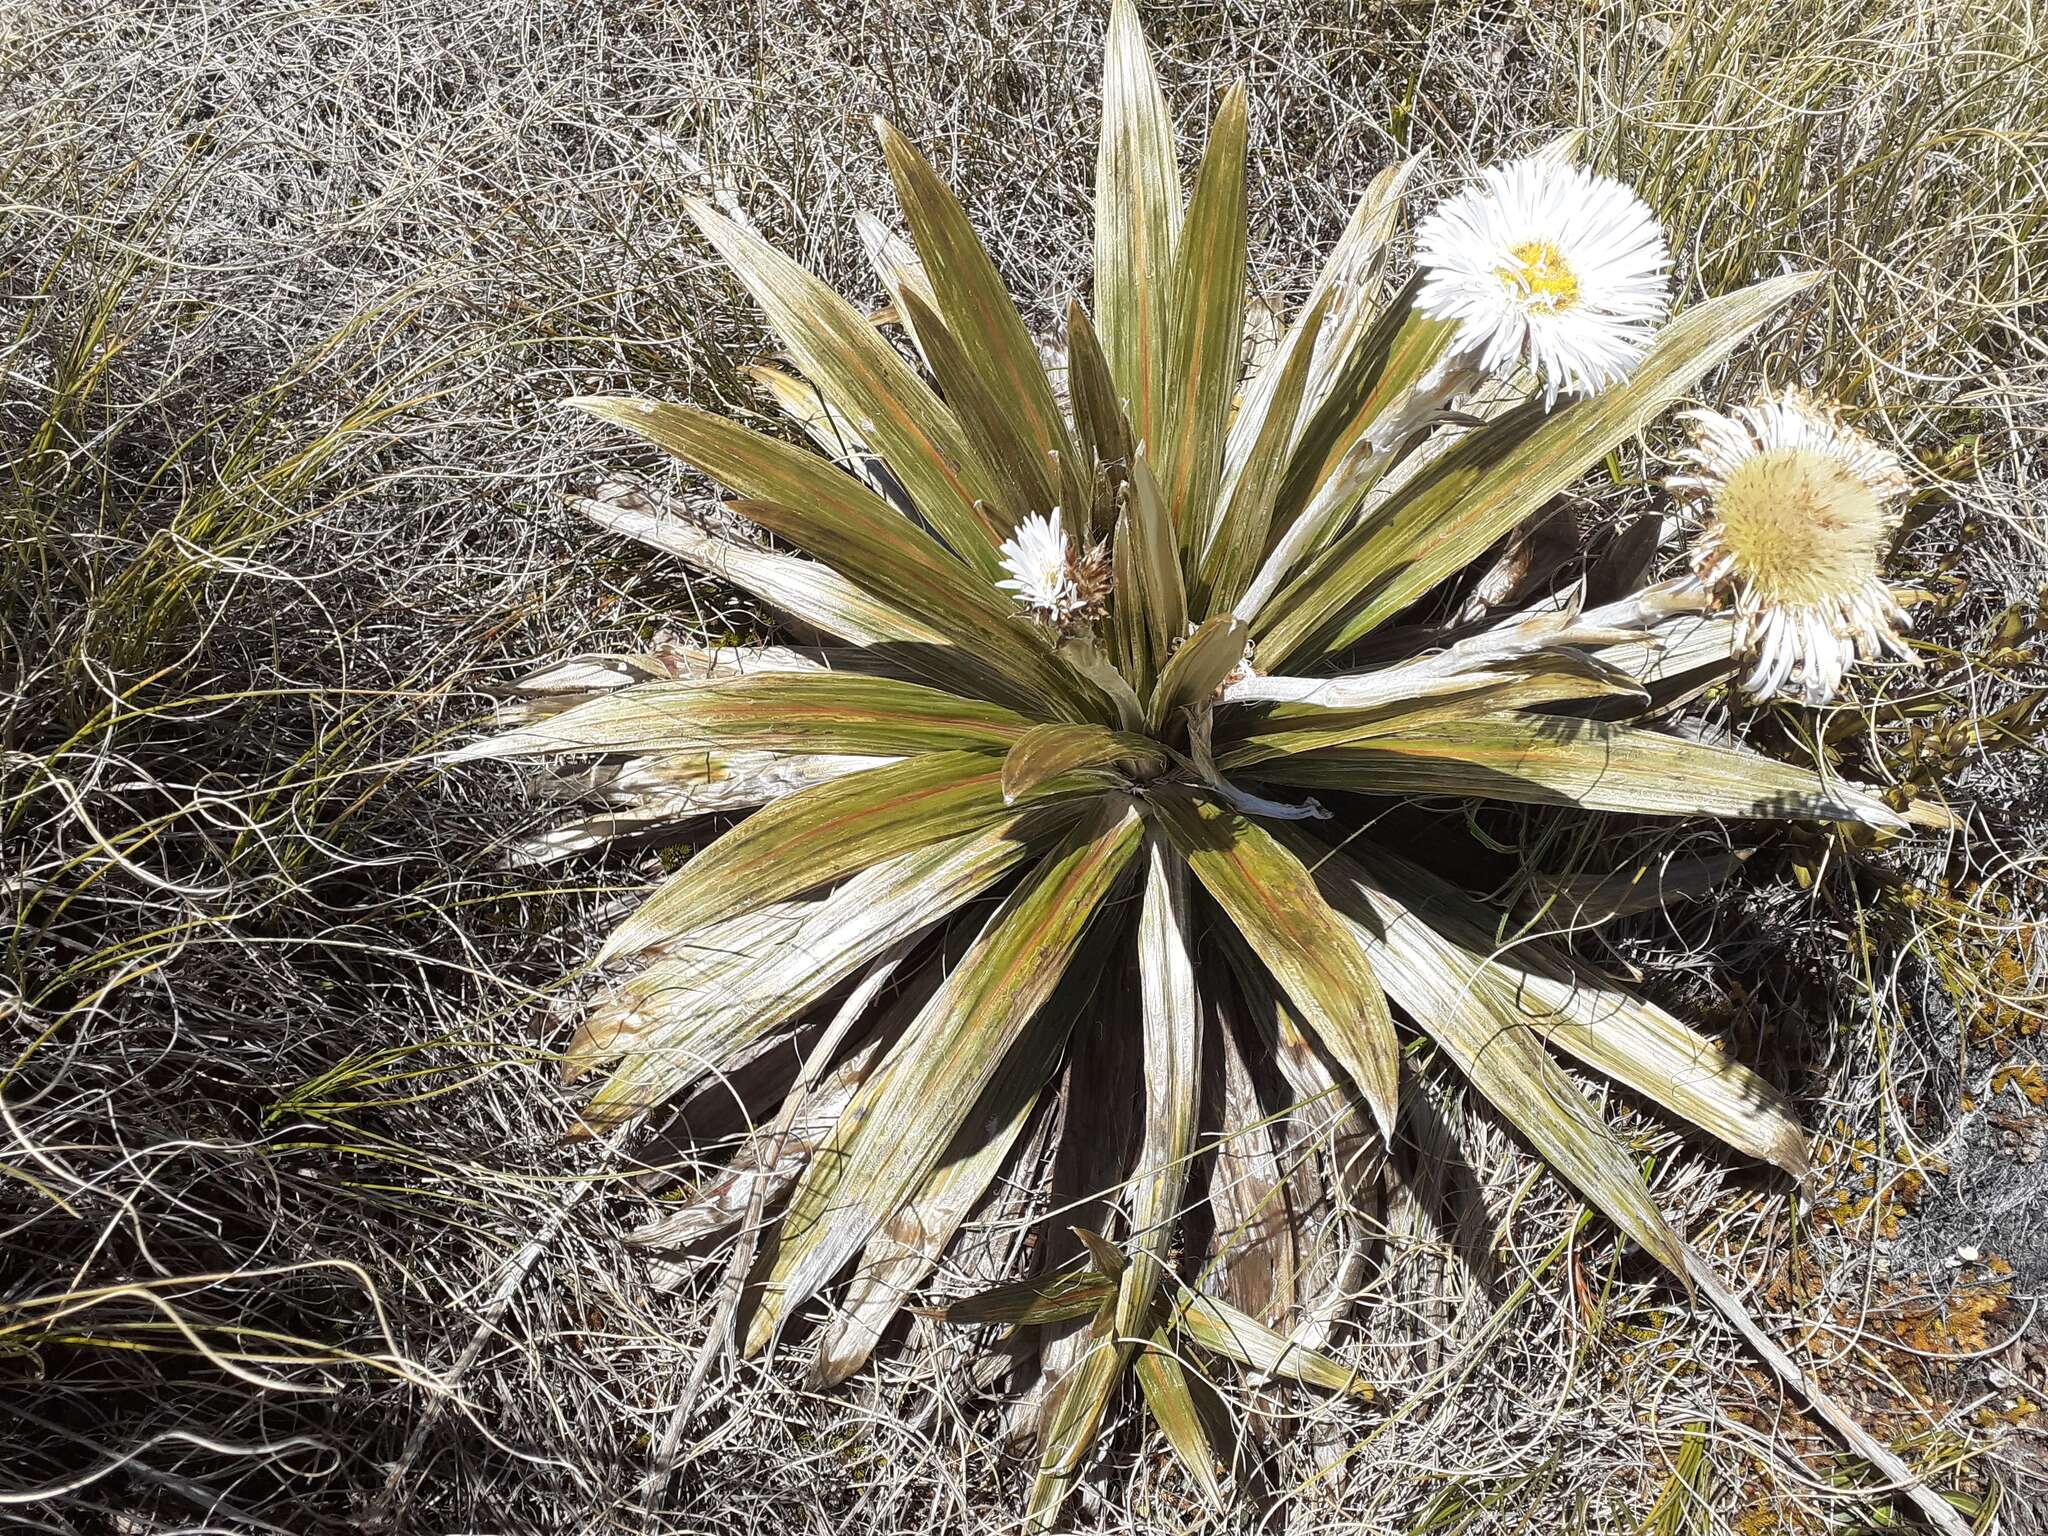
{"x": 1096, "y": 813}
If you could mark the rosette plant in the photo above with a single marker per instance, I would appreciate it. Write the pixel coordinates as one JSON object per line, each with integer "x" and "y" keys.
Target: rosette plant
{"x": 1071, "y": 841}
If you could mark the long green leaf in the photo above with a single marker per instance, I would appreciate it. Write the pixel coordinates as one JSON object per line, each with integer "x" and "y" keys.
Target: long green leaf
{"x": 1487, "y": 483}
{"x": 1073, "y": 1419}
{"x": 1628, "y": 1038}
{"x": 1345, "y": 295}
{"x": 827, "y": 513}
{"x": 791, "y": 711}
{"x": 1205, "y": 335}
{"x": 1312, "y": 951}
{"x": 1221, "y": 1329}
{"x": 974, "y": 304}
{"x": 1252, "y": 482}
{"x": 860, "y": 374}
{"x": 1104, "y": 435}
{"x": 1198, "y": 667}
{"x": 1187, "y": 1412}
{"x": 656, "y": 796}
{"x": 1563, "y": 760}
{"x": 1137, "y": 219}
{"x": 1076, "y": 1291}
{"x": 817, "y": 837}
{"x": 1172, "y": 1021}
{"x": 909, "y": 1244}
{"x": 807, "y": 590}
{"x": 1367, "y": 378}
{"x": 957, "y": 1053}
{"x": 1021, "y": 478}
{"x": 829, "y": 429}
{"x": 1149, "y": 590}
{"x": 1046, "y": 752}
{"x": 896, "y": 263}
{"x": 1469, "y": 1010}
{"x": 718, "y": 988}
{"x": 1283, "y": 730}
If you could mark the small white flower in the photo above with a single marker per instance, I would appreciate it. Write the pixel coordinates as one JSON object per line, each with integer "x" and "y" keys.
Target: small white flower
{"x": 1546, "y": 264}
{"x": 1799, "y": 510}
{"x": 1041, "y": 568}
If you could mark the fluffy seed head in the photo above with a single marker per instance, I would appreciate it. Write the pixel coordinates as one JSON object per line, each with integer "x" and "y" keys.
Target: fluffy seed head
{"x": 1546, "y": 264}
{"x": 1798, "y": 509}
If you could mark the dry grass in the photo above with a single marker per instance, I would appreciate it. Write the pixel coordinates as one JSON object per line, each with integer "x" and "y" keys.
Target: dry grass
{"x": 290, "y": 1240}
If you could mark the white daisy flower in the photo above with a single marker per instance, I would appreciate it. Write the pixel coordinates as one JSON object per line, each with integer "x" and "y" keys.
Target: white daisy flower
{"x": 1799, "y": 508}
{"x": 1041, "y": 568}
{"x": 1546, "y": 264}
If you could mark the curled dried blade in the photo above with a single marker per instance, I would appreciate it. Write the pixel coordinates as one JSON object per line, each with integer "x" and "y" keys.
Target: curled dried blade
{"x": 670, "y": 788}
{"x": 1498, "y": 652}
{"x": 766, "y": 1163}
{"x": 655, "y": 797}
{"x": 1335, "y": 1157}
{"x": 571, "y": 681}
{"x": 1252, "y": 1259}
{"x": 1283, "y": 730}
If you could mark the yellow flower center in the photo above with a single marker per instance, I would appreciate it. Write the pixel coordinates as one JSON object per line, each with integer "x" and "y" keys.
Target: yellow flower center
{"x": 1801, "y": 526}
{"x": 1537, "y": 274}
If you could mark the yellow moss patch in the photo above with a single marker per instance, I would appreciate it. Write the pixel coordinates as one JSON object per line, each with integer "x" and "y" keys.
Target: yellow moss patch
{"x": 2027, "y": 1078}
{"x": 1862, "y": 1192}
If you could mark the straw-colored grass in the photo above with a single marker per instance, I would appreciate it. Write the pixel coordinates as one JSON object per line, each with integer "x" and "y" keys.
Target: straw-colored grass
{"x": 288, "y": 294}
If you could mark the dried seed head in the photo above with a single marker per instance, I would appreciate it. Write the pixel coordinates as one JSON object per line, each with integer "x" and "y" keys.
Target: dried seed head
{"x": 1798, "y": 509}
